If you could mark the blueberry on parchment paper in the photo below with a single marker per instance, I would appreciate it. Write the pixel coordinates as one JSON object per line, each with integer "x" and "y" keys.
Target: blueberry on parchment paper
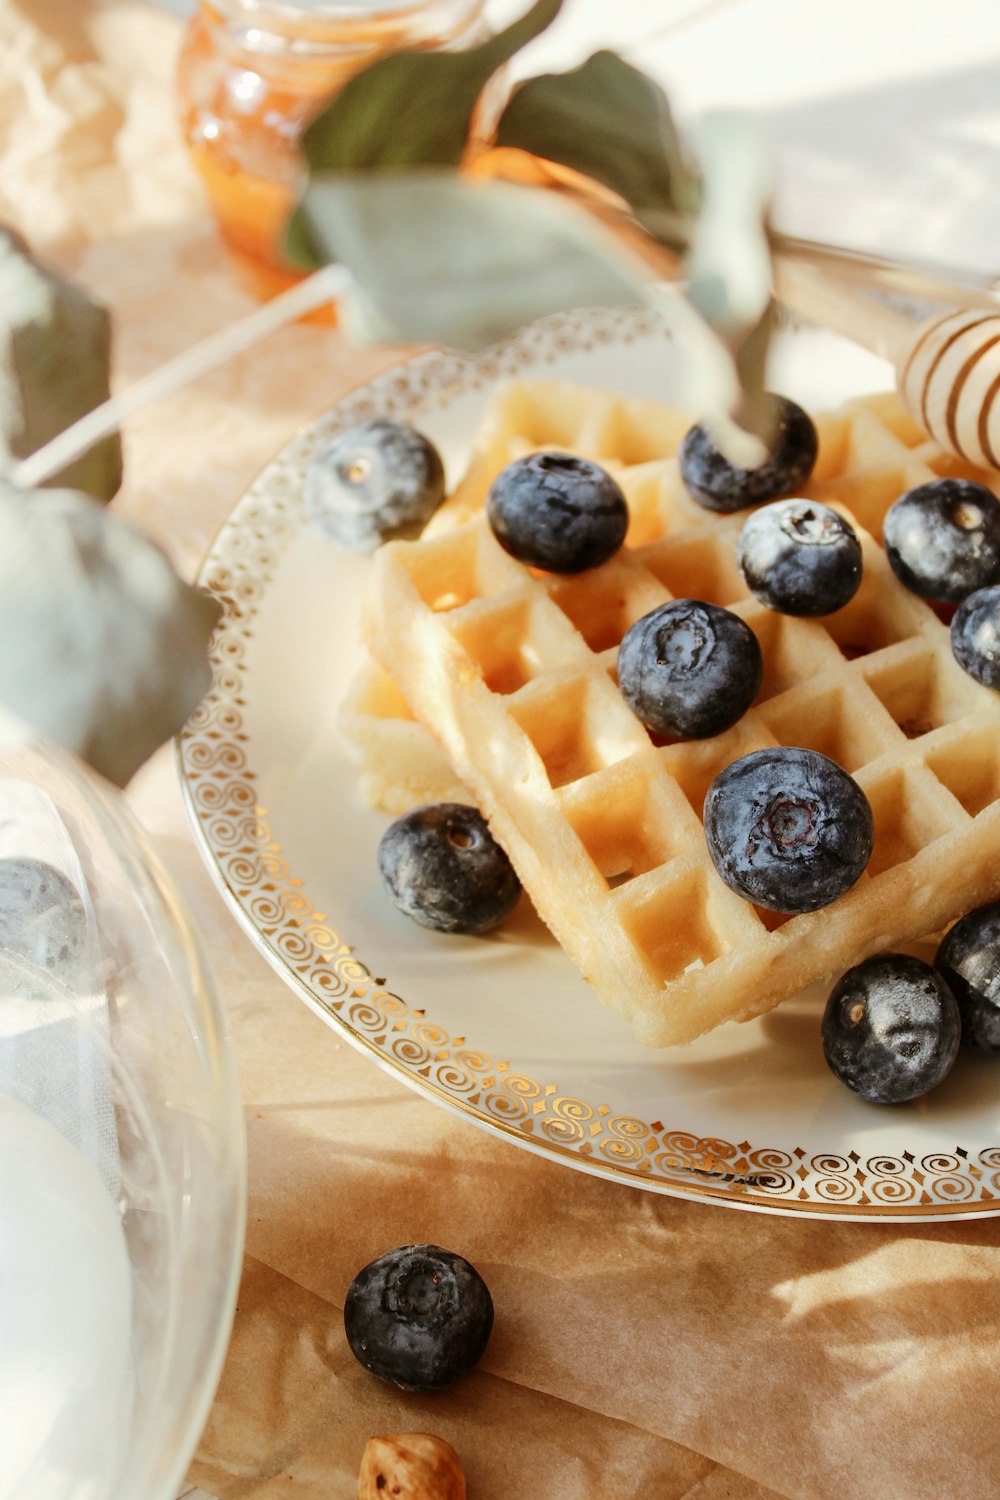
{"x": 418, "y": 1317}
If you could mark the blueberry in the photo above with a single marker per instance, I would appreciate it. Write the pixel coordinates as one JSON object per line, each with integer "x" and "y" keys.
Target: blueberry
{"x": 557, "y": 512}
{"x": 689, "y": 669}
{"x": 975, "y": 636}
{"x": 443, "y": 867}
{"x": 969, "y": 959}
{"x": 375, "y": 482}
{"x": 418, "y": 1317}
{"x": 891, "y": 1028}
{"x": 942, "y": 539}
{"x": 719, "y": 485}
{"x": 43, "y": 924}
{"x": 788, "y": 828}
{"x": 799, "y": 557}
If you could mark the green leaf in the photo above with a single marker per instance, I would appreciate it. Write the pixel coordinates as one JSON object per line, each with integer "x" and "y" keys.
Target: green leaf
{"x": 414, "y": 108}
{"x": 437, "y": 258}
{"x": 105, "y": 647}
{"x": 610, "y": 122}
{"x": 55, "y": 356}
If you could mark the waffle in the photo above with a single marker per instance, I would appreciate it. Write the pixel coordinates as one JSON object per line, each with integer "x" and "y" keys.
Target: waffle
{"x": 513, "y": 671}
{"x": 401, "y": 765}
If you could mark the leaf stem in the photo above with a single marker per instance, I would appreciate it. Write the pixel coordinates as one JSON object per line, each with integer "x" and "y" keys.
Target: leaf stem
{"x": 323, "y": 286}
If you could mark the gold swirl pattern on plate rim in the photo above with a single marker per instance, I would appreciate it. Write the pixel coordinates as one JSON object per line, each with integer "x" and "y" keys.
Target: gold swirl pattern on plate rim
{"x": 218, "y": 782}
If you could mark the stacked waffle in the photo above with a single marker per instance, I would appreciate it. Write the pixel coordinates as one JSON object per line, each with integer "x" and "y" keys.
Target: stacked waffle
{"x": 495, "y": 683}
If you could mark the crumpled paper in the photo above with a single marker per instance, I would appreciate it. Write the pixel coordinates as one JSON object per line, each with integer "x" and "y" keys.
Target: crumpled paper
{"x": 643, "y": 1344}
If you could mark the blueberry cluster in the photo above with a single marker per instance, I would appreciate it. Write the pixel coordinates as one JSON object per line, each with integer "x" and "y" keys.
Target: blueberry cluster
{"x": 786, "y": 828}
{"x": 893, "y": 1024}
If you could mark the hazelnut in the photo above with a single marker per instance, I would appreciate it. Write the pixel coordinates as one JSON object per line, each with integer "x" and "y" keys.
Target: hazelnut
{"x": 410, "y": 1466}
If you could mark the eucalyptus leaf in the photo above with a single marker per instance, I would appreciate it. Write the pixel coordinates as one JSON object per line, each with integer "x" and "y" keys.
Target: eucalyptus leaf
{"x": 610, "y": 122}
{"x": 55, "y": 357}
{"x": 104, "y": 646}
{"x": 412, "y": 109}
{"x": 729, "y": 263}
{"x": 729, "y": 266}
{"x": 437, "y": 258}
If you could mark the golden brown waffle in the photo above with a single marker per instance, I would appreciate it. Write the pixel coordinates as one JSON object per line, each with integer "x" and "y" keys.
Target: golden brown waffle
{"x": 401, "y": 764}
{"x": 514, "y": 673}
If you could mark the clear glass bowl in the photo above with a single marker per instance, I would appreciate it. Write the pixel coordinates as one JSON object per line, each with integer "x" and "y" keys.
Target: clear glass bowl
{"x": 122, "y": 1152}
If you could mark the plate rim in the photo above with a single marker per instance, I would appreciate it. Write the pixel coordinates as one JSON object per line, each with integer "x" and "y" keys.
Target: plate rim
{"x": 702, "y": 1169}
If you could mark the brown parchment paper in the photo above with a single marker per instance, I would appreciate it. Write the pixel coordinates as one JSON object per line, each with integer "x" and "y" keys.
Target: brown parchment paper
{"x": 643, "y": 1345}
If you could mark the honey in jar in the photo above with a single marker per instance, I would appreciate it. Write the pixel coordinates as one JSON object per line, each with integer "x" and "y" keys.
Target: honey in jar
{"x": 252, "y": 74}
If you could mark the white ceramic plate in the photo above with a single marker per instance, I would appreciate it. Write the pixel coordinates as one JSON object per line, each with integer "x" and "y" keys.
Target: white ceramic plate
{"x": 501, "y": 1029}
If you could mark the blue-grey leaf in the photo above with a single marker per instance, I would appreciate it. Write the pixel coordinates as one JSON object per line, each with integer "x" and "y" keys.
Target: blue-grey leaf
{"x": 729, "y": 271}
{"x": 104, "y": 646}
{"x": 55, "y": 355}
{"x": 437, "y": 258}
{"x": 729, "y": 265}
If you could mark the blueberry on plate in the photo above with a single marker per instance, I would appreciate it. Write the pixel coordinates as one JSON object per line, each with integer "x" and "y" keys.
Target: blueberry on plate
{"x": 942, "y": 539}
{"x": 891, "y": 1028}
{"x": 787, "y": 828}
{"x": 418, "y": 1317}
{"x": 689, "y": 669}
{"x": 799, "y": 558}
{"x": 721, "y": 486}
{"x": 969, "y": 959}
{"x": 43, "y": 923}
{"x": 557, "y": 512}
{"x": 374, "y": 483}
{"x": 975, "y": 635}
{"x": 443, "y": 867}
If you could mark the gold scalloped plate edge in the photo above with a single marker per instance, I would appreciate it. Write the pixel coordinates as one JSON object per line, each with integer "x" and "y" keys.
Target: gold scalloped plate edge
{"x": 269, "y": 899}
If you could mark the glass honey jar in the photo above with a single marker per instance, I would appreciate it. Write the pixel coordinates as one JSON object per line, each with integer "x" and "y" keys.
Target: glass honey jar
{"x": 251, "y": 75}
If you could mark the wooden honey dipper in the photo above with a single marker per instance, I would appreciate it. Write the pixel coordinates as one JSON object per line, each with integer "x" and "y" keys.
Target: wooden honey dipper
{"x": 947, "y": 365}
